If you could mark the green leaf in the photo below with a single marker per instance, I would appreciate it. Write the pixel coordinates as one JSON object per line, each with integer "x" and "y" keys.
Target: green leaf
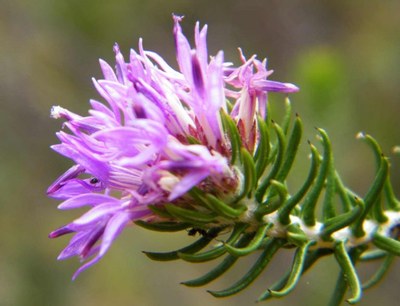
{"x": 190, "y": 216}
{"x": 311, "y": 258}
{"x": 160, "y": 211}
{"x": 377, "y": 208}
{"x": 217, "y": 251}
{"x": 387, "y": 244}
{"x": 297, "y": 270}
{"x": 343, "y": 193}
{"x": 392, "y": 202}
{"x": 328, "y": 207}
{"x": 291, "y": 149}
{"x": 249, "y": 175}
{"x": 192, "y": 248}
{"x": 281, "y": 188}
{"x": 233, "y": 134}
{"x": 377, "y": 277}
{"x": 291, "y": 202}
{"x": 309, "y": 205}
{"x": 342, "y": 281}
{"x": 373, "y": 255}
{"x": 253, "y": 245}
{"x": 270, "y": 206}
{"x": 271, "y": 248}
{"x": 288, "y": 115}
{"x": 277, "y": 163}
{"x": 296, "y": 236}
{"x": 376, "y": 149}
{"x": 371, "y": 196}
{"x": 227, "y": 263}
{"x": 336, "y": 223}
{"x": 163, "y": 226}
{"x": 349, "y": 272}
{"x": 224, "y": 209}
{"x": 263, "y": 149}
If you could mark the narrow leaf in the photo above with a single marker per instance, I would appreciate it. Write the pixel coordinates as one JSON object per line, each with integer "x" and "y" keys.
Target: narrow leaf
{"x": 373, "y": 255}
{"x": 270, "y": 207}
{"x": 263, "y": 149}
{"x": 311, "y": 258}
{"x": 297, "y": 270}
{"x": 328, "y": 207}
{"x": 160, "y": 211}
{"x": 387, "y": 244}
{"x": 288, "y": 115}
{"x": 192, "y": 248}
{"x": 377, "y": 277}
{"x": 336, "y": 223}
{"x": 296, "y": 236}
{"x": 217, "y": 251}
{"x": 291, "y": 149}
{"x": 348, "y": 271}
{"x": 227, "y": 263}
{"x": 343, "y": 193}
{"x": 287, "y": 207}
{"x": 372, "y": 195}
{"x": 187, "y": 215}
{"x": 249, "y": 175}
{"x": 271, "y": 248}
{"x": 233, "y": 134}
{"x": 253, "y": 245}
{"x": 224, "y": 209}
{"x": 163, "y": 226}
{"x": 277, "y": 163}
{"x": 309, "y": 205}
{"x": 391, "y": 199}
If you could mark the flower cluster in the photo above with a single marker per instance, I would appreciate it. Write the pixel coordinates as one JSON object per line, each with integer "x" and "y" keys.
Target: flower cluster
{"x": 159, "y": 135}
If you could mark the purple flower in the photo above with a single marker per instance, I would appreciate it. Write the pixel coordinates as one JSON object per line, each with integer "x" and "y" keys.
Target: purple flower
{"x": 158, "y": 136}
{"x": 252, "y": 85}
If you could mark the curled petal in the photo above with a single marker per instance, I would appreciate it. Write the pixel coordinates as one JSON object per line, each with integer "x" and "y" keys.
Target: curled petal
{"x": 71, "y": 173}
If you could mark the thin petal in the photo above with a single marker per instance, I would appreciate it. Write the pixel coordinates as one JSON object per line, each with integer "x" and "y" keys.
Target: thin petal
{"x": 274, "y": 86}
{"x": 72, "y": 172}
{"x": 113, "y": 229}
{"x": 94, "y": 215}
{"x": 91, "y": 199}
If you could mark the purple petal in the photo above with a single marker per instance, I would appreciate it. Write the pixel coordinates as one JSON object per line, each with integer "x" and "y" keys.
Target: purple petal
{"x": 72, "y": 172}
{"x": 182, "y": 49}
{"x": 91, "y": 199}
{"x": 201, "y": 45}
{"x": 94, "y": 215}
{"x": 75, "y": 246}
{"x": 274, "y": 86}
{"x": 95, "y": 167}
{"x": 60, "y": 232}
{"x": 108, "y": 72}
{"x": 186, "y": 183}
{"x": 85, "y": 266}
{"x": 76, "y": 187}
{"x": 120, "y": 65}
{"x": 114, "y": 227}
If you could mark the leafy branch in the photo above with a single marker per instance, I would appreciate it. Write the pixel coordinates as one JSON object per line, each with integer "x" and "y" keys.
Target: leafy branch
{"x": 265, "y": 216}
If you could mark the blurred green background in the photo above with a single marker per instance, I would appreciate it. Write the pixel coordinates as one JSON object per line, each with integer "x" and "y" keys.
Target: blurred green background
{"x": 344, "y": 55}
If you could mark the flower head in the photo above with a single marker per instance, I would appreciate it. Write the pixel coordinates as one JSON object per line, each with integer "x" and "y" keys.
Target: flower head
{"x": 158, "y": 136}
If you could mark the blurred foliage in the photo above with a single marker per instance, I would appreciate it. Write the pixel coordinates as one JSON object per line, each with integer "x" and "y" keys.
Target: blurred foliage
{"x": 344, "y": 55}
